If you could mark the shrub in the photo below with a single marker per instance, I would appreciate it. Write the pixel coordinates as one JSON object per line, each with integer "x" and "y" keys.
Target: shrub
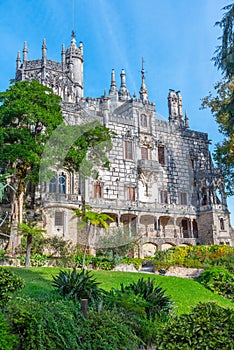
{"x": 78, "y": 259}
{"x": 77, "y": 285}
{"x": 45, "y": 325}
{"x": 3, "y": 256}
{"x": 143, "y": 295}
{"x": 60, "y": 325}
{"x": 110, "y": 330}
{"x": 208, "y": 326}
{"x": 219, "y": 280}
{"x": 38, "y": 245}
{"x": 137, "y": 262}
{"x": 7, "y": 339}
{"x": 196, "y": 257}
{"x": 35, "y": 259}
{"x": 9, "y": 283}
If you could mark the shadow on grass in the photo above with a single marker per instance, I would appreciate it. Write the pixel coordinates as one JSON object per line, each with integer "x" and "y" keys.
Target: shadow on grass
{"x": 38, "y": 281}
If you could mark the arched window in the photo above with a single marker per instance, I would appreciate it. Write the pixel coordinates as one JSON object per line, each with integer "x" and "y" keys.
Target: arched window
{"x": 144, "y": 121}
{"x": 62, "y": 183}
{"x": 221, "y": 224}
{"x": 52, "y": 185}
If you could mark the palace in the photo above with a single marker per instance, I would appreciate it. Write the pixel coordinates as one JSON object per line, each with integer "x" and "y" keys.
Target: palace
{"x": 162, "y": 186}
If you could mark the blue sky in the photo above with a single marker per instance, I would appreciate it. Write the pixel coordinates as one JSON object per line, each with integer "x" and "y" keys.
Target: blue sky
{"x": 176, "y": 38}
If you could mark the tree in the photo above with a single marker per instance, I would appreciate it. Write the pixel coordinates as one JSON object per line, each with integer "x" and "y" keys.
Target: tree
{"x": 224, "y": 58}
{"x": 88, "y": 219}
{"x": 29, "y": 231}
{"x": 29, "y": 112}
{"x": 222, "y": 104}
{"x": 30, "y": 115}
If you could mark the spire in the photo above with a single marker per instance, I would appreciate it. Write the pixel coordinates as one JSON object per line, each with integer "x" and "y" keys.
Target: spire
{"x": 143, "y": 90}
{"x": 123, "y": 79}
{"x": 25, "y": 52}
{"x": 63, "y": 56}
{"x": 113, "y": 83}
{"x": 186, "y": 123}
{"x": 18, "y": 61}
{"x": 44, "y": 48}
{"x": 123, "y": 91}
{"x": 73, "y": 40}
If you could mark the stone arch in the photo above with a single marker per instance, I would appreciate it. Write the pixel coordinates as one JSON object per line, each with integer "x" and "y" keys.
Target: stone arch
{"x": 114, "y": 216}
{"x": 148, "y": 249}
{"x": 167, "y": 245}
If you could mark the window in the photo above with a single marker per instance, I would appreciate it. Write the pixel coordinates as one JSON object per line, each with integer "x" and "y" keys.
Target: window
{"x": 97, "y": 190}
{"x": 144, "y": 153}
{"x": 59, "y": 218}
{"x": 164, "y": 197}
{"x": 131, "y": 194}
{"x": 52, "y": 185}
{"x": 128, "y": 150}
{"x": 161, "y": 154}
{"x": 192, "y": 163}
{"x": 204, "y": 196}
{"x": 221, "y": 224}
{"x": 144, "y": 121}
{"x": 183, "y": 198}
{"x": 62, "y": 184}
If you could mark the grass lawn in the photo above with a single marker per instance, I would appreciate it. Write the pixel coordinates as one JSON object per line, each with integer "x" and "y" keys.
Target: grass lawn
{"x": 185, "y": 292}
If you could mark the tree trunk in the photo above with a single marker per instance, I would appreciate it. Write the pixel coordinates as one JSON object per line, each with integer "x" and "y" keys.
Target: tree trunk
{"x": 13, "y": 222}
{"x": 28, "y": 250}
{"x": 86, "y": 247}
{"x": 17, "y": 202}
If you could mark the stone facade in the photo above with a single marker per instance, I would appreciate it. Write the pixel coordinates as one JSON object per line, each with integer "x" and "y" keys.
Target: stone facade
{"x": 162, "y": 186}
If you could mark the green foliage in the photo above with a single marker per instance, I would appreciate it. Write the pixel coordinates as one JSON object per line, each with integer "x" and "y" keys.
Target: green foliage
{"x": 137, "y": 262}
{"x": 109, "y": 329}
{"x": 26, "y": 109}
{"x": 221, "y": 106}
{"x": 77, "y": 285}
{"x": 221, "y": 103}
{"x": 60, "y": 325}
{"x": 9, "y": 283}
{"x": 38, "y": 245}
{"x": 8, "y": 341}
{"x": 46, "y": 324}
{"x": 35, "y": 259}
{"x": 219, "y": 280}
{"x": 208, "y": 326}
{"x": 143, "y": 295}
{"x": 195, "y": 256}
{"x": 30, "y": 231}
{"x": 3, "y": 256}
{"x": 224, "y": 58}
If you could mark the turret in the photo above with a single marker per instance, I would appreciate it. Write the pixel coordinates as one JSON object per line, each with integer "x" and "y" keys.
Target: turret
{"x": 63, "y": 57}
{"x": 44, "y": 49}
{"x": 43, "y": 61}
{"x": 180, "y": 113}
{"x": 25, "y": 52}
{"x": 113, "y": 93}
{"x": 123, "y": 91}
{"x": 74, "y": 63}
{"x": 18, "y": 61}
{"x": 175, "y": 107}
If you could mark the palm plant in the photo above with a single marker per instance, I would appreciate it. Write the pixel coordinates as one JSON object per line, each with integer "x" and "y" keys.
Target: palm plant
{"x": 77, "y": 285}
{"x": 29, "y": 231}
{"x": 146, "y": 295}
